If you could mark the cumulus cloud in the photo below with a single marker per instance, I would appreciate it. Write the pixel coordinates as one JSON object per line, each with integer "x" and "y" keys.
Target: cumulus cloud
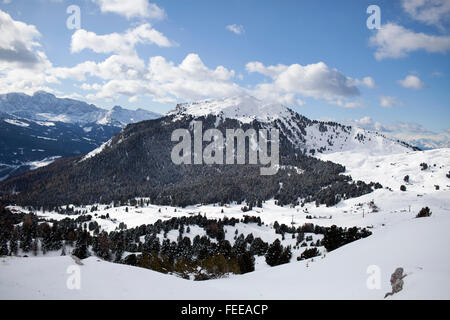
{"x": 313, "y": 80}
{"x": 394, "y": 41}
{"x": 23, "y": 63}
{"x": 387, "y": 102}
{"x": 412, "y": 82}
{"x": 124, "y": 73}
{"x": 267, "y": 92}
{"x": 123, "y": 43}
{"x": 114, "y": 67}
{"x": 237, "y": 29}
{"x": 191, "y": 79}
{"x": 368, "y": 82}
{"x": 166, "y": 81}
{"x": 19, "y": 45}
{"x": 132, "y": 8}
{"x": 26, "y": 80}
{"x": 347, "y": 104}
{"x": 431, "y": 12}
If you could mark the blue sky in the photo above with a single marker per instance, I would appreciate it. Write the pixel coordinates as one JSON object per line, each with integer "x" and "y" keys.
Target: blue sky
{"x": 317, "y": 57}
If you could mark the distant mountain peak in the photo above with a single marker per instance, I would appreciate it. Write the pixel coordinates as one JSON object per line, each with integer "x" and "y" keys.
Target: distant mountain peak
{"x": 45, "y": 106}
{"x": 43, "y": 93}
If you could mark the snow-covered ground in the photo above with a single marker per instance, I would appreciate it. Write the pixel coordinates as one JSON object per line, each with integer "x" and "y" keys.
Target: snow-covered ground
{"x": 419, "y": 245}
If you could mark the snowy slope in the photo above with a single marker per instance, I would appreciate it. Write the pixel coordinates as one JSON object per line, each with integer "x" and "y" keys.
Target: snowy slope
{"x": 242, "y": 108}
{"x": 390, "y": 170}
{"x": 392, "y": 203}
{"x": 342, "y": 274}
{"x": 399, "y": 240}
{"x": 308, "y": 135}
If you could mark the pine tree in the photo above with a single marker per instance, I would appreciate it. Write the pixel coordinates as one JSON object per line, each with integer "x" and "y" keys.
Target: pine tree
{"x": 104, "y": 246}
{"x": 119, "y": 251}
{"x": 81, "y": 247}
{"x": 273, "y": 253}
{"x": 63, "y": 250}
{"x": 45, "y": 233}
{"x": 259, "y": 247}
{"x": 309, "y": 253}
{"x": 246, "y": 262}
{"x": 35, "y": 247}
{"x": 13, "y": 243}
{"x": 26, "y": 234}
{"x": 3, "y": 246}
{"x": 424, "y": 212}
{"x": 286, "y": 255}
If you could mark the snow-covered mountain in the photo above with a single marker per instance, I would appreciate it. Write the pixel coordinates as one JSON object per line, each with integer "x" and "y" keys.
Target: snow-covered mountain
{"x": 36, "y": 129}
{"x": 309, "y": 135}
{"x": 139, "y": 159}
{"x": 27, "y": 144}
{"x": 120, "y": 117}
{"x": 243, "y": 108}
{"x": 44, "y": 106}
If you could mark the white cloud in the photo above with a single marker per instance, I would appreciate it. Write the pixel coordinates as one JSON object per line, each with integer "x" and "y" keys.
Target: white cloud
{"x": 19, "y": 46}
{"x": 437, "y": 74}
{"x": 124, "y": 73}
{"x": 237, "y": 29}
{"x": 387, "y": 102}
{"x": 394, "y": 41}
{"x": 114, "y": 67}
{"x": 118, "y": 43}
{"x": 313, "y": 81}
{"x": 25, "y": 80}
{"x": 365, "y": 120}
{"x": 347, "y": 104}
{"x": 165, "y": 81}
{"x": 431, "y": 12}
{"x": 132, "y": 8}
{"x": 268, "y": 92}
{"x": 23, "y": 64}
{"x": 191, "y": 79}
{"x": 368, "y": 82}
{"x": 412, "y": 82}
